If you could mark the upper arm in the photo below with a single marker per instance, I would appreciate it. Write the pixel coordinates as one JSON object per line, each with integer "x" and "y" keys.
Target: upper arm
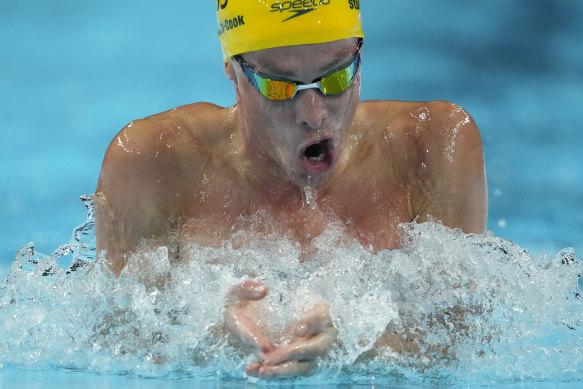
{"x": 132, "y": 199}
{"x": 450, "y": 173}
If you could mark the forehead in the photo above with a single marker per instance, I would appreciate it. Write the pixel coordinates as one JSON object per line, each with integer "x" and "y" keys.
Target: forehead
{"x": 300, "y": 60}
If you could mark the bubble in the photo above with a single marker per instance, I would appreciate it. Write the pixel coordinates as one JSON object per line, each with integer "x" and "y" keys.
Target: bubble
{"x": 465, "y": 307}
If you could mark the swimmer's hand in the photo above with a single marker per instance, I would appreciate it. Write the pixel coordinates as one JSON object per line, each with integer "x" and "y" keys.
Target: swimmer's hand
{"x": 313, "y": 336}
{"x": 242, "y": 317}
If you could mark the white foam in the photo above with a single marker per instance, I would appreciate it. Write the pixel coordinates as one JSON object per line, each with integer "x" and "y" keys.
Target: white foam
{"x": 474, "y": 306}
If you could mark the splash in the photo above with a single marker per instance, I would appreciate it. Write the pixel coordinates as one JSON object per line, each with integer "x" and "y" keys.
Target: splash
{"x": 447, "y": 306}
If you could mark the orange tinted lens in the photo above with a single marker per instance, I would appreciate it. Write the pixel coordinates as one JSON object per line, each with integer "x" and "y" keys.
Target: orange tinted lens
{"x": 275, "y": 90}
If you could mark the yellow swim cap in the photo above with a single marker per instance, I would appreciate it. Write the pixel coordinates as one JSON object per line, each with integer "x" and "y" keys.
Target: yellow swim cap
{"x": 250, "y": 25}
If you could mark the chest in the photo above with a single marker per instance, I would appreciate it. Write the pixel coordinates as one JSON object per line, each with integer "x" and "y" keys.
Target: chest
{"x": 365, "y": 213}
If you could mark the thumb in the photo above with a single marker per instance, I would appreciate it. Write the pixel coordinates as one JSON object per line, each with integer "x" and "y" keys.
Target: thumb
{"x": 249, "y": 290}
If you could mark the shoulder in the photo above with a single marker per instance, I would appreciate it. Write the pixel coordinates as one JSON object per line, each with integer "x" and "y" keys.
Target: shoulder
{"x": 149, "y": 155}
{"x": 413, "y": 119}
{"x": 437, "y": 130}
{"x": 450, "y": 130}
{"x": 167, "y": 135}
{"x": 436, "y": 148}
{"x": 450, "y": 176}
{"x": 170, "y": 129}
{"x": 448, "y": 143}
{"x": 148, "y": 173}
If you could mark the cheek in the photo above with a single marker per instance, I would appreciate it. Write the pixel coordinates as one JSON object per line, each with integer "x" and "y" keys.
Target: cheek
{"x": 354, "y": 96}
{"x": 255, "y": 106}
{"x": 265, "y": 120}
{"x": 343, "y": 106}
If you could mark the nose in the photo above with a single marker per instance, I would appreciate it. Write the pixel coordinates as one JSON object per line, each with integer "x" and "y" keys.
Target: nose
{"x": 311, "y": 110}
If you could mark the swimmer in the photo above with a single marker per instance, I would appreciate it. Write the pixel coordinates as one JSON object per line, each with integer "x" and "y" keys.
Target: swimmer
{"x": 299, "y": 149}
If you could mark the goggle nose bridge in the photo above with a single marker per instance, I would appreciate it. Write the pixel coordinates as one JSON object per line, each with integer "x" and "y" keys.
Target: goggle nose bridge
{"x": 315, "y": 85}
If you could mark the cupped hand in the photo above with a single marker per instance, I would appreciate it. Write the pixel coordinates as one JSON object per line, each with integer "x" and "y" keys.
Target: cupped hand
{"x": 242, "y": 317}
{"x": 312, "y": 336}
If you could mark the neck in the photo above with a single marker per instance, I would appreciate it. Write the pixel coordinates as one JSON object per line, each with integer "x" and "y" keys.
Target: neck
{"x": 279, "y": 191}
{"x": 273, "y": 187}
{"x": 272, "y": 184}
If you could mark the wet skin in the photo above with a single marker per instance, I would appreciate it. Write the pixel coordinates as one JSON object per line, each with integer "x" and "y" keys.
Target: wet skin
{"x": 187, "y": 175}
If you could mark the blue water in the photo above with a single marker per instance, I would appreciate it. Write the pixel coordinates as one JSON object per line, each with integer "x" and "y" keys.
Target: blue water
{"x": 73, "y": 73}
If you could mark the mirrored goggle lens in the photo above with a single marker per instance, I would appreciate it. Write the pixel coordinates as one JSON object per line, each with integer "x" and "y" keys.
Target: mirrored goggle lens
{"x": 338, "y": 82}
{"x": 282, "y": 90}
{"x": 274, "y": 89}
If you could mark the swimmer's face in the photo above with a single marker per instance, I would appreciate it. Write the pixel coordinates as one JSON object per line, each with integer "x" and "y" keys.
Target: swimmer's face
{"x": 305, "y": 136}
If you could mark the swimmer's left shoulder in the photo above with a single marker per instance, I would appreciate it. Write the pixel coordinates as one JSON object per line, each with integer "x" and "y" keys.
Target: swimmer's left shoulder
{"x": 418, "y": 122}
{"x": 437, "y": 148}
{"x": 450, "y": 128}
{"x": 405, "y": 111}
{"x": 446, "y": 113}
{"x": 376, "y": 110}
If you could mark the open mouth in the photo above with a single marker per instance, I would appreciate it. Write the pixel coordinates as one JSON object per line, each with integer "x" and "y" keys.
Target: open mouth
{"x": 318, "y": 157}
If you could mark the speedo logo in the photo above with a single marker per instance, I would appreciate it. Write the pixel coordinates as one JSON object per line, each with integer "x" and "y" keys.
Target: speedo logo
{"x": 222, "y": 4}
{"x": 297, "y": 7}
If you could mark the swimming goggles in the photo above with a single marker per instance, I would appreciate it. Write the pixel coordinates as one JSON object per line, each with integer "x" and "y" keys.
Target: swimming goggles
{"x": 332, "y": 84}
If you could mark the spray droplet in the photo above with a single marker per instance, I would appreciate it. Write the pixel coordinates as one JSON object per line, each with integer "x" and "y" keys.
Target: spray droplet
{"x": 308, "y": 197}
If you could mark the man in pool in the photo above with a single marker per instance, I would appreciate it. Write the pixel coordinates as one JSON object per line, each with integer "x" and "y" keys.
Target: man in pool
{"x": 298, "y": 149}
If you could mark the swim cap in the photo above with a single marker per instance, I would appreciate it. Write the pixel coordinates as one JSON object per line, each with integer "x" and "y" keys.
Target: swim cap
{"x": 250, "y": 25}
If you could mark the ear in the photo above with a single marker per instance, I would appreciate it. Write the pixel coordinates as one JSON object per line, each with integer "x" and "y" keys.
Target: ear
{"x": 230, "y": 71}
{"x": 232, "y": 75}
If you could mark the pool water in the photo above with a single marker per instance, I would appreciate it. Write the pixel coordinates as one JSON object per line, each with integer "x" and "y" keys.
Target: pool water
{"x": 479, "y": 309}
{"x": 74, "y": 73}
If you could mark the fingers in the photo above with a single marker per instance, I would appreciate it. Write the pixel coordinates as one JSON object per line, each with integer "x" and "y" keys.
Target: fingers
{"x": 244, "y": 325}
{"x": 253, "y": 369}
{"x": 242, "y": 317}
{"x": 299, "y": 358}
{"x": 287, "y": 369}
{"x": 315, "y": 333}
{"x": 304, "y": 349}
{"x": 249, "y": 290}
{"x": 317, "y": 321}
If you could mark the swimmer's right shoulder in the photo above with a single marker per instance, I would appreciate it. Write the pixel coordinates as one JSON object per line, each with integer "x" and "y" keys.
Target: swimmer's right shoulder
{"x": 159, "y": 149}
{"x": 175, "y": 128}
{"x": 194, "y": 118}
